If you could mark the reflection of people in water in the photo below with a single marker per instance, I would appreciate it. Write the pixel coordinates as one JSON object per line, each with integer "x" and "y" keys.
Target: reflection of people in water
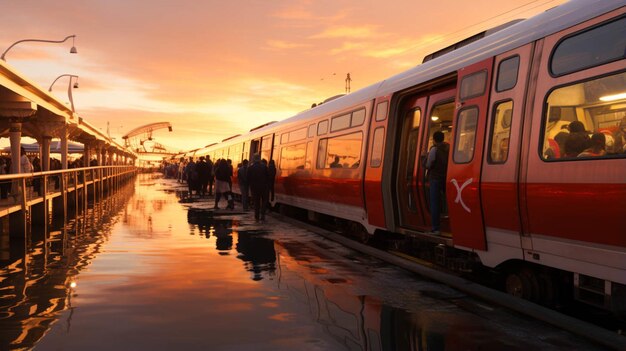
{"x": 336, "y": 163}
{"x": 223, "y": 237}
{"x": 258, "y": 254}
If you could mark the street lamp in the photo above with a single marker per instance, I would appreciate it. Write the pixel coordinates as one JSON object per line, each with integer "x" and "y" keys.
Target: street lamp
{"x": 72, "y": 50}
{"x": 69, "y": 87}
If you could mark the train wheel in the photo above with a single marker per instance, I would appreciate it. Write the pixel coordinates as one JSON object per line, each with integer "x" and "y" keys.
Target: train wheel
{"x": 534, "y": 293}
{"x": 518, "y": 284}
{"x": 359, "y": 232}
{"x": 548, "y": 289}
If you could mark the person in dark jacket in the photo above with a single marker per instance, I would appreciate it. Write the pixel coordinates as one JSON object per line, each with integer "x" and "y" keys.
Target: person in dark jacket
{"x": 242, "y": 179}
{"x": 211, "y": 174}
{"x": 204, "y": 172}
{"x": 258, "y": 179}
{"x": 223, "y": 175}
{"x": 437, "y": 165}
{"x": 191, "y": 175}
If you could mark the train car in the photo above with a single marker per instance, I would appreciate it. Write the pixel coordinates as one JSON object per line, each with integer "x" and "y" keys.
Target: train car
{"x": 535, "y": 116}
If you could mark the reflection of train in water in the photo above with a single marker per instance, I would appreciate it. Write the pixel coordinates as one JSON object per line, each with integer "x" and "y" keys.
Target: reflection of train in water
{"x": 542, "y": 203}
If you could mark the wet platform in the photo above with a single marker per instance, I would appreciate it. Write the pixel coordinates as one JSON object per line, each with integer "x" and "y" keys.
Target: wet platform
{"x": 151, "y": 268}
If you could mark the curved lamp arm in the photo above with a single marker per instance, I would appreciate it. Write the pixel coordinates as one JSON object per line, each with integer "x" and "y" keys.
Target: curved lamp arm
{"x": 61, "y": 76}
{"x": 69, "y": 87}
{"x": 72, "y": 50}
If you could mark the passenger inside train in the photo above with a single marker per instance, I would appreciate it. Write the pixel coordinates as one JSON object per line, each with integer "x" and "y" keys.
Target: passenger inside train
{"x": 587, "y": 120}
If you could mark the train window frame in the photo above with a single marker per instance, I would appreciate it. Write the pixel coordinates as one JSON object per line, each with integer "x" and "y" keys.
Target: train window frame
{"x": 492, "y": 129}
{"x": 381, "y": 111}
{"x": 583, "y": 31}
{"x": 353, "y": 121}
{"x": 302, "y": 146}
{"x": 499, "y": 88}
{"x": 458, "y": 131}
{"x": 468, "y": 82}
{"x": 544, "y": 119}
{"x": 322, "y": 127}
{"x": 378, "y": 146}
{"x": 340, "y": 122}
{"x": 312, "y": 130}
{"x": 322, "y": 152}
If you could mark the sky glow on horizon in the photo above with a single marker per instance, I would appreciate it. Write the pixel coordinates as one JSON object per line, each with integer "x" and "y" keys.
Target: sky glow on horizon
{"x": 214, "y": 68}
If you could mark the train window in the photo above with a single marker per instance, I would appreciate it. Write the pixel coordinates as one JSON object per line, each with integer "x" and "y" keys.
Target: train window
{"x": 473, "y": 85}
{"x": 266, "y": 147}
{"x": 377, "y": 147}
{"x": 293, "y": 156}
{"x": 381, "y": 111}
{"x": 340, "y": 122}
{"x": 465, "y": 138}
{"x": 586, "y": 120}
{"x": 501, "y": 132}
{"x": 311, "y": 131}
{"x": 340, "y": 152}
{"x": 297, "y": 134}
{"x": 507, "y": 74}
{"x": 322, "y": 127}
{"x": 321, "y": 153}
{"x": 284, "y": 138}
{"x": 593, "y": 47}
{"x": 358, "y": 117}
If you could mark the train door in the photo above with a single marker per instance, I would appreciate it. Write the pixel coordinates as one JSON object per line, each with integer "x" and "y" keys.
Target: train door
{"x": 423, "y": 115}
{"x": 267, "y": 143}
{"x": 465, "y": 163}
{"x": 499, "y": 187}
{"x": 255, "y": 147}
{"x": 411, "y": 215}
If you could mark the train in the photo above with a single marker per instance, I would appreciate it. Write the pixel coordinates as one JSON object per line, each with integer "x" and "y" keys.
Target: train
{"x": 535, "y": 116}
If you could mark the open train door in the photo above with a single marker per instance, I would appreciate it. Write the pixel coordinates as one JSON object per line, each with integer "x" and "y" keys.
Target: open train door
{"x": 465, "y": 162}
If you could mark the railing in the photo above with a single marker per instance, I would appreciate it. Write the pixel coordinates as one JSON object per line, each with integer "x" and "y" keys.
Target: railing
{"x": 19, "y": 191}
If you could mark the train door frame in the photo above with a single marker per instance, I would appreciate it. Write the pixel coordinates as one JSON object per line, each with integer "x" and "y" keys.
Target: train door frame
{"x": 410, "y": 214}
{"x": 500, "y": 179}
{"x": 465, "y": 165}
{"x": 417, "y": 218}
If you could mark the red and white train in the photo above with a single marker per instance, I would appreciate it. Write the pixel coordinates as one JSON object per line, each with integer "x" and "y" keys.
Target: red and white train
{"x": 521, "y": 196}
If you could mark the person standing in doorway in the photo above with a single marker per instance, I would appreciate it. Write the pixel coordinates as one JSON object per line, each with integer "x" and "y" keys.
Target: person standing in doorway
{"x": 437, "y": 166}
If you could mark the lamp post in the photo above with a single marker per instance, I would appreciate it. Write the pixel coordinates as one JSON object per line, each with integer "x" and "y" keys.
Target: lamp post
{"x": 69, "y": 87}
{"x": 72, "y": 50}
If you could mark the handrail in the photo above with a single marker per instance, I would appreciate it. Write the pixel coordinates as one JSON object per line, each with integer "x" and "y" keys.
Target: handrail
{"x": 59, "y": 171}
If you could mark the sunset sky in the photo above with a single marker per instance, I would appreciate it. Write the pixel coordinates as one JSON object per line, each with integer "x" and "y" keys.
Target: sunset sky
{"x": 218, "y": 68}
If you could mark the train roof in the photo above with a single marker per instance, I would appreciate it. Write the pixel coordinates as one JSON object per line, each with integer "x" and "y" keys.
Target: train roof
{"x": 509, "y": 38}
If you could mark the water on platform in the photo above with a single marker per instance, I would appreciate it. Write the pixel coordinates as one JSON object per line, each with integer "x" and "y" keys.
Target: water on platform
{"x": 152, "y": 269}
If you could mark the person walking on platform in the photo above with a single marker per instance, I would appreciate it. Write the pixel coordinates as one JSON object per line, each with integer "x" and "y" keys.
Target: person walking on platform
{"x": 191, "y": 175}
{"x": 204, "y": 172}
{"x": 211, "y": 174}
{"x": 223, "y": 175}
{"x": 258, "y": 179}
{"x": 242, "y": 179}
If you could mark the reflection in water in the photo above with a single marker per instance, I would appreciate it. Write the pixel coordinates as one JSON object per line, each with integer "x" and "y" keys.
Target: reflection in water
{"x": 255, "y": 250}
{"x": 38, "y": 273}
{"x": 176, "y": 276}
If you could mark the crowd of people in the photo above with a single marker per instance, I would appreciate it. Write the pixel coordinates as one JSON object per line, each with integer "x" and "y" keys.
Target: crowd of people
{"x": 573, "y": 140}
{"x": 204, "y": 177}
